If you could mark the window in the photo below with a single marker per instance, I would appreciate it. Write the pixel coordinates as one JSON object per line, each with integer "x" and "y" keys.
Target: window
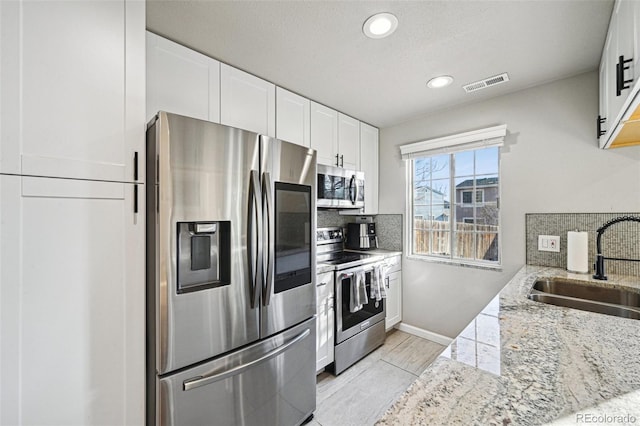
{"x": 453, "y": 203}
{"x": 467, "y": 197}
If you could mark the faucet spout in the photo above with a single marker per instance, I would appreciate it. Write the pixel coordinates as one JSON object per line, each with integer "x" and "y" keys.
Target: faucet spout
{"x": 599, "y": 265}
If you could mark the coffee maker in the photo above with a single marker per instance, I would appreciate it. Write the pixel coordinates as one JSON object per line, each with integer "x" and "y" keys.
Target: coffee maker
{"x": 361, "y": 236}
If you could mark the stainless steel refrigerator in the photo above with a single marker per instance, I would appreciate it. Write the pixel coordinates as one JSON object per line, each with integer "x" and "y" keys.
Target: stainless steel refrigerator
{"x": 230, "y": 276}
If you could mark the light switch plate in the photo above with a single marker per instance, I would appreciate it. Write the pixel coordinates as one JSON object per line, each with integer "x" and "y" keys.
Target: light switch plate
{"x": 549, "y": 243}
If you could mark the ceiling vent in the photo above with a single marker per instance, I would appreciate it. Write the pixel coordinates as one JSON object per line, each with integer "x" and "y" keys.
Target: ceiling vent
{"x": 487, "y": 82}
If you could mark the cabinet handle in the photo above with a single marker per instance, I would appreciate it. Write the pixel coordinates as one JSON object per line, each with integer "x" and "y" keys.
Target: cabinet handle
{"x": 621, "y": 83}
{"x": 135, "y": 199}
{"x": 342, "y": 161}
{"x": 600, "y": 131}
{"x": 387, "y": 280}
{"x": 135, "y": 166}
{"x": 321, "y": 284}
{"x": 337, "y": 160}
{"x": 330, "y": 303}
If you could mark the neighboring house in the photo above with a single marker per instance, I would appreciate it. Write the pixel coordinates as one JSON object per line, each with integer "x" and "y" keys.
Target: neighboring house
{"x": 484, "y": 200}
{"x": 430, "y": 204}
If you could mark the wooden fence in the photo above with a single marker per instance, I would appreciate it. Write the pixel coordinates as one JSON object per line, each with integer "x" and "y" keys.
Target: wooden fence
{"x": 433, "y": 237}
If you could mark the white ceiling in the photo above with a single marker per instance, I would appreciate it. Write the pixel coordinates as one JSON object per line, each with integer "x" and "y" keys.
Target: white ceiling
{"x": 317, "y": 48}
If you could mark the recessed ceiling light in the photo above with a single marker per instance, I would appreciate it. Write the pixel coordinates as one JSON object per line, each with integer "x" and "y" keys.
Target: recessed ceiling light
{"x": 441, "y": 81}
{"x": 380, "y": 25}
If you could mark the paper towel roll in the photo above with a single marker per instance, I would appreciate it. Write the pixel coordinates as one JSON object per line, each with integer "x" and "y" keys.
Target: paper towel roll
{"x": 578, "y": 251}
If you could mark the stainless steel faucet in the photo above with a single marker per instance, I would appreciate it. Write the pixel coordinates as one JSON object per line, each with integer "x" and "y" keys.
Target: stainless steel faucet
{"x": 599, "y": 265}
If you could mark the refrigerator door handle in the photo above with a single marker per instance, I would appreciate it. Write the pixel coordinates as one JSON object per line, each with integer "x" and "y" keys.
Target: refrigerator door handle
{"x": 254, "y": 241}
{"x": 269, "y": 233}
{"x": 200, "y": 381}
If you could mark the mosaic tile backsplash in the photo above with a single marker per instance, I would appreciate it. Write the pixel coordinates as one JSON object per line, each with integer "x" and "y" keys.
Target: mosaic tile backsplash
{"x": 621, "y": 240}
{"x": 388, "y": 227}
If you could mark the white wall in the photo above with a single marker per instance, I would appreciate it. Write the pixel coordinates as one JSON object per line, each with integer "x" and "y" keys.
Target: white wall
{"x": 550, "y": 163}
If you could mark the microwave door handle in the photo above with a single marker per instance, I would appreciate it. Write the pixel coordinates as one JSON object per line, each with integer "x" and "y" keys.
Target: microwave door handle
{"x": 357, "y": 195}
{"x": 352, "y": 191}
{"x": 267, "y": 285}
{"x": 253, "y": 241}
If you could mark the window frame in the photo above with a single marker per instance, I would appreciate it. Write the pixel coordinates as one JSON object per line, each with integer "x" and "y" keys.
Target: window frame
{"x": 451, "y": 257}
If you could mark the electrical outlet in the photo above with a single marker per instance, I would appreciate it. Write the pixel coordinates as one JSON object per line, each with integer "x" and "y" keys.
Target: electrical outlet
{"x": 549, "y": 243}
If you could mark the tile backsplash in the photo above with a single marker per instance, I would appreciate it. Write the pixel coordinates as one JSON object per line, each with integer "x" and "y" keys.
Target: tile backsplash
{"x": 621, "y": 240}
{"x": 388, "y": 226}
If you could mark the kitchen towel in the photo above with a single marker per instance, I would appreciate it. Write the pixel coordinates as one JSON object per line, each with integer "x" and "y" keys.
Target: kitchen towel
{"x": 358, "y": 292}
{"x": 354, "y": 306}
{"x": 378, "y": 291}
{"x": 362, "y": 288}
{"x": 578, "y": 251}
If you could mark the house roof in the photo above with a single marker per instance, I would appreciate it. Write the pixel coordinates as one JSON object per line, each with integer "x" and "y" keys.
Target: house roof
{"x": 490, "y": 181}
{"x": 428, "y": 188}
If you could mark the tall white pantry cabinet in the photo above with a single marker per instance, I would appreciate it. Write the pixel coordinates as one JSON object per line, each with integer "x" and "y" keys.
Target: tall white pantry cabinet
{"x": 72, "y": 104}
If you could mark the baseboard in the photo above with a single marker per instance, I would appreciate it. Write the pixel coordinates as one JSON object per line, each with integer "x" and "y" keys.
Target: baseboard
{"x": 429, "y": 335}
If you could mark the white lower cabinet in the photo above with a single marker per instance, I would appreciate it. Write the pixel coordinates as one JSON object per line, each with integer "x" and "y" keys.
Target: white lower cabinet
{"x": 394, "y": 292}
{"x": 325, "y": 321}
{"x": 72, "y": 313}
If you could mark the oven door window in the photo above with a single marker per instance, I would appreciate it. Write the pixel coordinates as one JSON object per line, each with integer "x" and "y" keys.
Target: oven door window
{"x": 292, "y": 236}
{"x": 369, "y": 310}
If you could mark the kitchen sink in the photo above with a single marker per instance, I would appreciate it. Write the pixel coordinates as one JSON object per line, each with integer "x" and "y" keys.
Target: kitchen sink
{"x": 579, "y": 295}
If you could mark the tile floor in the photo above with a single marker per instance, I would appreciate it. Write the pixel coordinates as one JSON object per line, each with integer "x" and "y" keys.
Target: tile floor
{"x": 362, "y": 393}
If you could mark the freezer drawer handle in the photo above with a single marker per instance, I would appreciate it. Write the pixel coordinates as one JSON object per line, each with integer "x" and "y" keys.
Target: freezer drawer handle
{"x": 200, "y": 381}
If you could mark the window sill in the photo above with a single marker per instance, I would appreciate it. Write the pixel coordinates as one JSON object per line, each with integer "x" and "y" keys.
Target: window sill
{"x": 455, "y": 262}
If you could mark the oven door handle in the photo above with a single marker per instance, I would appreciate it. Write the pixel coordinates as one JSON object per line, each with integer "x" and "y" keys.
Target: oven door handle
{"x": 353, "y": 271}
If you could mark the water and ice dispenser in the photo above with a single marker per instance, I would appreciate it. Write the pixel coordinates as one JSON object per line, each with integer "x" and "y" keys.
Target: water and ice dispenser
{"x": 203, "y": 255}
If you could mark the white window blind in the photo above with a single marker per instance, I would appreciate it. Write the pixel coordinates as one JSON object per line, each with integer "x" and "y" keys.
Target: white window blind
{"x": 475, "y": 139}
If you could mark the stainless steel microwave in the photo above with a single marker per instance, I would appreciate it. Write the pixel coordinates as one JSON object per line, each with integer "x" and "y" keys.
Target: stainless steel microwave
{"x": 340, "y": 188}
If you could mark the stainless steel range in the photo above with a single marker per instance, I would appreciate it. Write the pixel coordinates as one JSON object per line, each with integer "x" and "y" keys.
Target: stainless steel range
{"x": 359, "y": 323}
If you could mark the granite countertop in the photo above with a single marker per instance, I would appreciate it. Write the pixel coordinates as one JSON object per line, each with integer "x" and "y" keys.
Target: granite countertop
{"x": 523, "y": 362}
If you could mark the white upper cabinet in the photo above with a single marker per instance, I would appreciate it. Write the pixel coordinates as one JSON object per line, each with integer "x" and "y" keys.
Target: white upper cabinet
{"x": 620, "y": 45}
{"x": 349, "y": 142}
{"x": 324, "y": 133}
{"x": 336, "y": 137}
{"x": 181, "y": 81}
{"x": 72, "y": 86}
{"x": 619, "y": 106}
{"x": 247, "y": 102}
{"x": 369, "y": 165}
{"x": 293, "y": 117}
